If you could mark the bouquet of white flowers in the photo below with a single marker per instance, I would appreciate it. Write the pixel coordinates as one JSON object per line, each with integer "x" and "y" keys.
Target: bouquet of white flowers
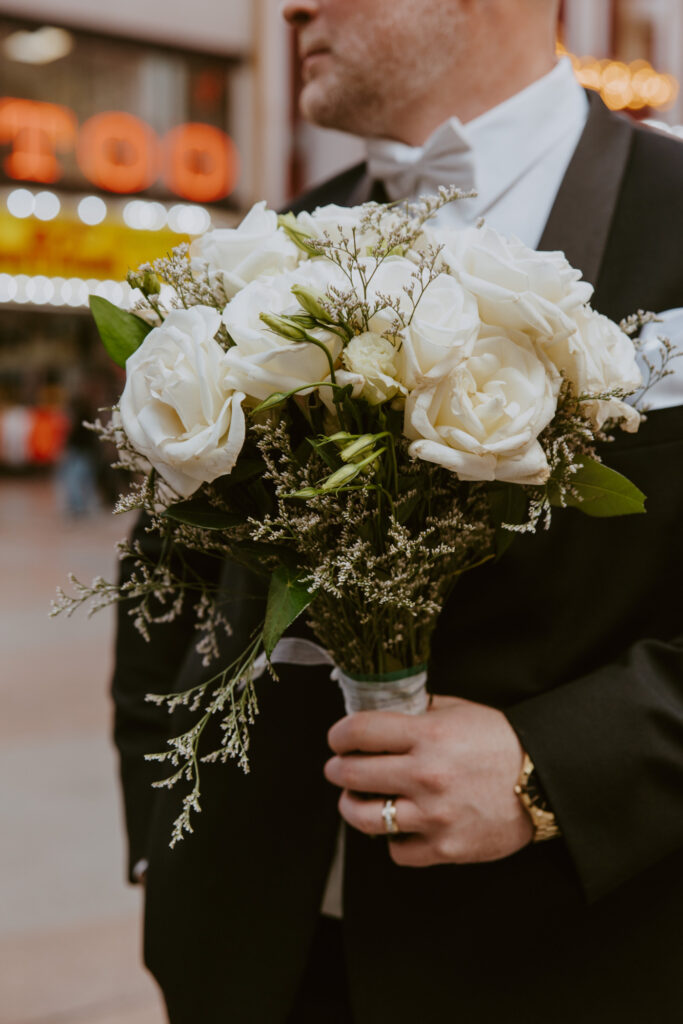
{"x": 363, "y": 407}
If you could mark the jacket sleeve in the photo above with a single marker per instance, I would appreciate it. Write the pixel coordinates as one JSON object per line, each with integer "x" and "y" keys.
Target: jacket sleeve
{"x": 143, "y": 667}
{"x": 608, "y": 748}
{"x": 607, "y": 740}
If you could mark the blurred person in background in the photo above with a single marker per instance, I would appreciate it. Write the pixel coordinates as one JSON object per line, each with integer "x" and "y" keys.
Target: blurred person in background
{"x": 561, "y": 903}
{"x": 77, "y": 469}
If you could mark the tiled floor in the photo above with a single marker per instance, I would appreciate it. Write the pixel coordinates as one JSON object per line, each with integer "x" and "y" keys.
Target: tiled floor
{"x": 69, "y": 924}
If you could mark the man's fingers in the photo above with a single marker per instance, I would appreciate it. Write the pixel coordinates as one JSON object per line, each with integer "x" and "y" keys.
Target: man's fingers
{"x": 413, "y": 852}
{"x": 373, "y": 732}
{"x": 366, "y": 814}
{"x": 369, "y": 773}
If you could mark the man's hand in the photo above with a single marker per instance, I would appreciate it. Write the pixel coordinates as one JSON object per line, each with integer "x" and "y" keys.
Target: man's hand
{"x": 451, "y": 773}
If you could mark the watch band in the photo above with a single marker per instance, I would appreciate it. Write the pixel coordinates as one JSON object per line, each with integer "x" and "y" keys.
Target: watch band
{"x": 529, "y": 791}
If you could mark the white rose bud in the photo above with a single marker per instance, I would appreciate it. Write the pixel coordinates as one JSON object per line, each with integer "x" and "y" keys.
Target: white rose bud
{"x": 236, "y": 256}
{"x": 483, "y": 419}
{"x": 372, "y": 364}
{"x": 177, "y": 408}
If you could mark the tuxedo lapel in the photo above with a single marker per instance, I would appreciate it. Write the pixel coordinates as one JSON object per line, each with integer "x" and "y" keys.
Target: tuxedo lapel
{"x": 367, "y": 190}
{"x": 346, "y": 189}
{"x": 589, "y": 191}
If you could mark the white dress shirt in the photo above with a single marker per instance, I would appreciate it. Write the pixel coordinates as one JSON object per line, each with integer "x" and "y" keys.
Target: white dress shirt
{"x": 515, "y": 156}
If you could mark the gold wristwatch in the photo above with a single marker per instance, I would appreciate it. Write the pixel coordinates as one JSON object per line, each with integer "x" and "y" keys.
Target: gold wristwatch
{"x": 529, "y": 791}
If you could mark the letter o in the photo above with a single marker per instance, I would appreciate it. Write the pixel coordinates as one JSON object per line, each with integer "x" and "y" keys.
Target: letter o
{"x": 202, "y": 162}
{"x": 118, "y": 152}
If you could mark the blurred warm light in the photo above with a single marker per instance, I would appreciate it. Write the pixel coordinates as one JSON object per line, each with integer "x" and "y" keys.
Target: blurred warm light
{"x": 42, "y": 46}
{"x": 187, "y": 219}
{"x": 47, "y": 206}
{"x": 35, "y": 130}
{"x": 145, "y": 216}
{"x": 118, "y": 152}
{"x": 21, "y": 203}
{"x": 39, "y": 289}
{"x": 8, "y": 288}
{"x": 59, "y": 291}
{"x": 92, "y": 210}
{"x": 624, "y": 86}
{"x": 202, "y": 162}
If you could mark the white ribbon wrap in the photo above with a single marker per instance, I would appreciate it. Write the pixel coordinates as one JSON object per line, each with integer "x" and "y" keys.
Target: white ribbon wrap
{"x": 408, "y": 694}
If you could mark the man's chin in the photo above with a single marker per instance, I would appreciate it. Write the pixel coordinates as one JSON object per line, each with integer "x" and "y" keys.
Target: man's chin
{"x": 320, "y": 106}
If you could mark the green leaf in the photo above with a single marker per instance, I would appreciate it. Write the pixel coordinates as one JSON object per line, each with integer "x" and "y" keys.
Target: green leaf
{"x": 121, "y": 332}
{"x": 244, "y": 469}
{"x": 287, "y": 598}
{"x": 325, "y": 455}
{"x": 604, "y": 492}
{"x": 508, "y": 504}
{"x": 198, "y": 512}
{"x": 405, "y": 507}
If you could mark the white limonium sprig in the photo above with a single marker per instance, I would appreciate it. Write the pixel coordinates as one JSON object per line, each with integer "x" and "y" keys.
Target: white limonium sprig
{"x": 358, "y": 408}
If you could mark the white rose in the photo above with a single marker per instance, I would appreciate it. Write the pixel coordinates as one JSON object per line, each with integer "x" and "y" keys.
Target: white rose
{"x": 372, "y": 364}
{"x": 599, "y": 357}
{"x": 517, "y": 287}
{"x": 261, "y": 361}
{"x": 483, "y": 419}
{"x": 177, "y": 408}
{"x": 386, "y": 279}
{"x": 238, "y": 255}
{"x": 334, "y": 221}
{"x": 442, "y": 332}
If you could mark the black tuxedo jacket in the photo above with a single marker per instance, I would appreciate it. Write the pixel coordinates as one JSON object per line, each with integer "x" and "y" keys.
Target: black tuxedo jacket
{"x": 576, "y": 633}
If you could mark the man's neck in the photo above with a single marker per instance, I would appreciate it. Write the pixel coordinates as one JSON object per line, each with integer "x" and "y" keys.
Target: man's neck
{"x": 468, "y": 100}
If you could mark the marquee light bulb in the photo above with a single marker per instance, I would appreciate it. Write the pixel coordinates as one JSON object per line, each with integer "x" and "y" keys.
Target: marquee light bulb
{"x": 92, "y": 210}
{"x": 21, "y": 202}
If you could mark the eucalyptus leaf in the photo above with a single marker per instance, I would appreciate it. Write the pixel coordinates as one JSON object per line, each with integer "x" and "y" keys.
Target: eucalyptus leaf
{"x": 122, "y": 333}
{"x": 198, "y": 512}
{"x": 327, "y": 456}
{"x": 406, "y": 507}
{"x": 243, "y": 470}
{"x": 604, "y": 492}
{"x": 508, "y": 504}
{"x": 287, "y": 599}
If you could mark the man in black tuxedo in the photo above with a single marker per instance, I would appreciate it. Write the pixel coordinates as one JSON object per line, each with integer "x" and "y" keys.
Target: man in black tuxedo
{"x": 566, "y": 654}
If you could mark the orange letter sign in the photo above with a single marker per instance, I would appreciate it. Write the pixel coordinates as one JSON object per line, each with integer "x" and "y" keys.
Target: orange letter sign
{"x": 35, "y": 130}
{"x": 202, "y": 163}
{"x": 118, "y": 152}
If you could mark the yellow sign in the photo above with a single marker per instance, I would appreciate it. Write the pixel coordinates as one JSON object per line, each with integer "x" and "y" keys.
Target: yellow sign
{"x": 65, "y": 247}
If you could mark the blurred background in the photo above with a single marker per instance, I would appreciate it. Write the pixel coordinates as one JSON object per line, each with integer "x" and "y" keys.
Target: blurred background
{"x": 126, "y": 128}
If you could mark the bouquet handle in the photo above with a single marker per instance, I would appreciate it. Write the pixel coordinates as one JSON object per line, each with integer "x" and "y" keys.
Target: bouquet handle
{"x": 404, "y": 691}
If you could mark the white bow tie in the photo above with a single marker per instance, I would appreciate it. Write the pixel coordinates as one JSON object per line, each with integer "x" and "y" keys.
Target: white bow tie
{"x": 409, "y": 171}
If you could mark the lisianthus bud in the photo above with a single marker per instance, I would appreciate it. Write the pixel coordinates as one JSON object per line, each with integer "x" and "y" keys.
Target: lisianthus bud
{"x": 310, "y": 301}
{"x": 283, "y": 326}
